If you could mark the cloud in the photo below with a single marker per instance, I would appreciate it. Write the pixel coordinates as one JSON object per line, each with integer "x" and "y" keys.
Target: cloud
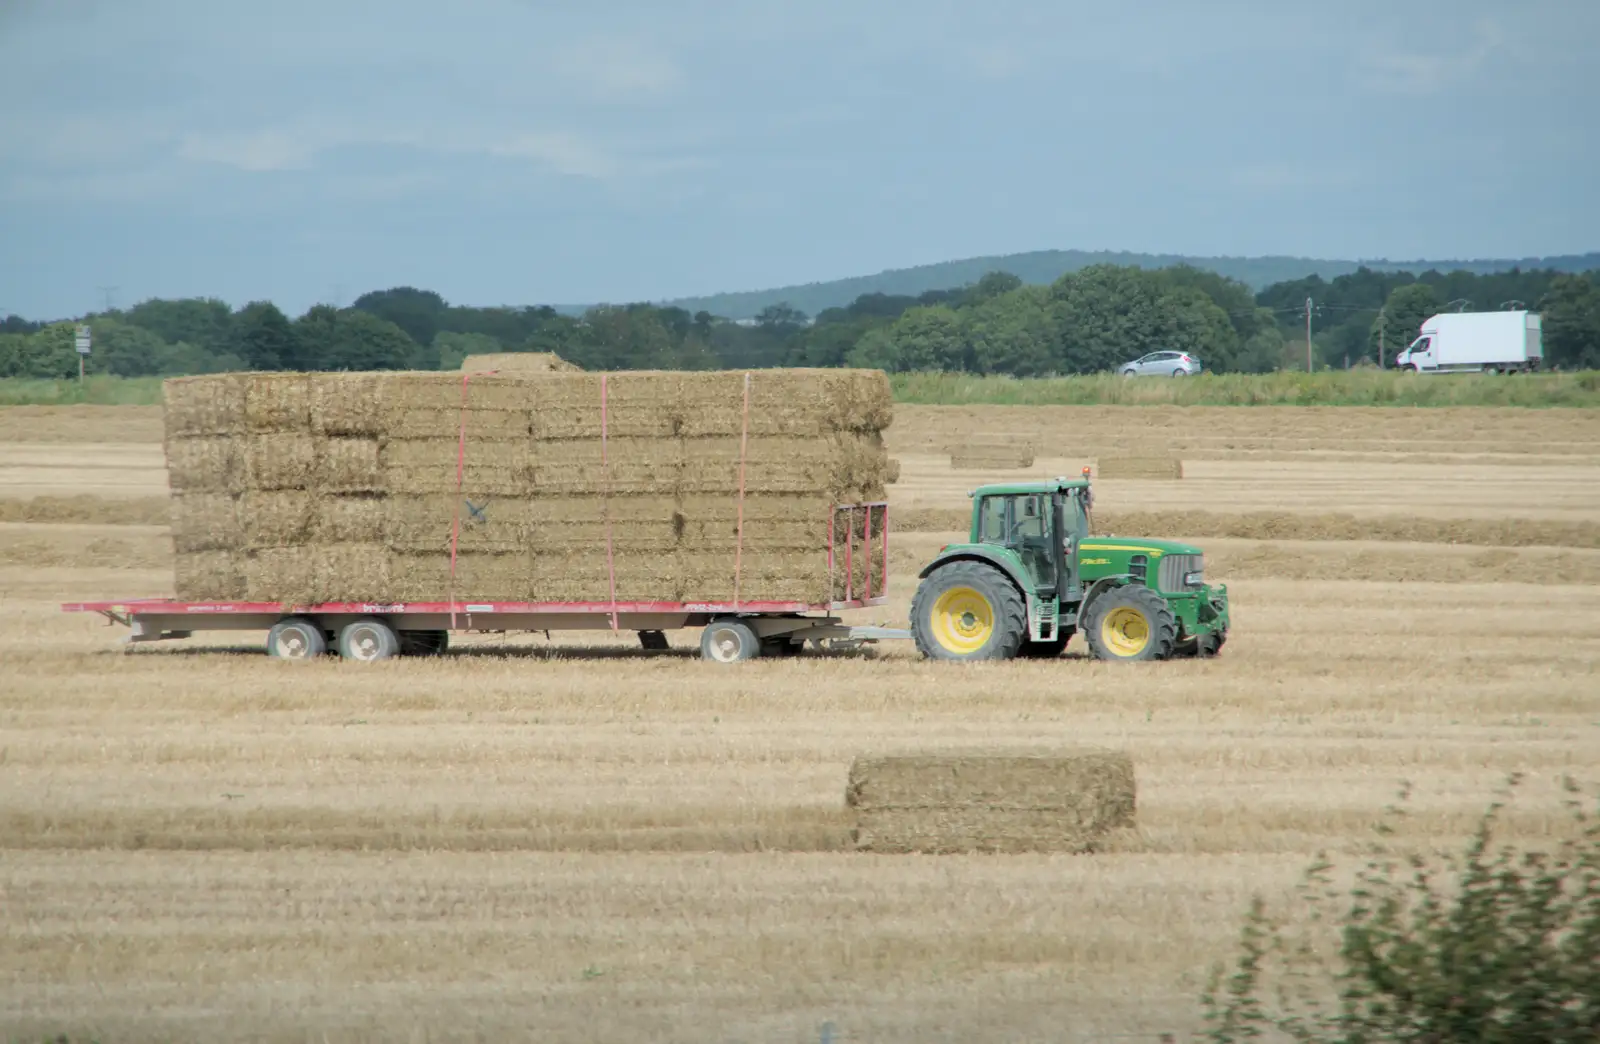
{"x": 264, "y": 150}
{"x": 619, "y": 69}
{"x": 1413, "y": 71}
{"x": 562, "y": 152}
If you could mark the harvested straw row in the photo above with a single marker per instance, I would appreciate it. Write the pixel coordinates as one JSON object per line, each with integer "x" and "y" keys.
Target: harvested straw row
{"x": 960, "y": 802}
{"x": 1139, "y": 468}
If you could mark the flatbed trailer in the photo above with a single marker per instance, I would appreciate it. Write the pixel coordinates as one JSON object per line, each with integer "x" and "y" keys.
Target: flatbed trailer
{"x": 369, "y": 631}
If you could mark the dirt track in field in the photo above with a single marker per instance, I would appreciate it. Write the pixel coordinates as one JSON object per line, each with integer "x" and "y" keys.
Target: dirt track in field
{"x": 603, "y": 843}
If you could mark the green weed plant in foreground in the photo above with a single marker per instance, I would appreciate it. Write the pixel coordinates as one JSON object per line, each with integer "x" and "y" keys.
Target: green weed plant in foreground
{"x": 1492, "y": 945}
{"x": 1332, "y": 388}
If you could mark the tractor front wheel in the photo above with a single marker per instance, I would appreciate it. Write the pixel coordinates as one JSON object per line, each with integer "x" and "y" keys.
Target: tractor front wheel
{"x": 1130, "y": 623}
{"x": 968, "y": 611}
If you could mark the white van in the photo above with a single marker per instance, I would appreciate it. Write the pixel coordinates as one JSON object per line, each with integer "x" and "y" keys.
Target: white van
{"x": 1476, "y": 342}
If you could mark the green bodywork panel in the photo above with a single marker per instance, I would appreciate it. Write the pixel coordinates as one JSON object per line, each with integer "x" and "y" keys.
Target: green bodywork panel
{"x": 1099, "y": 563}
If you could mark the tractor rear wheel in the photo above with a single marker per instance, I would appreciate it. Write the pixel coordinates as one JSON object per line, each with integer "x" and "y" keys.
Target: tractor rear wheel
{"x": 1130, "y": 623}
{"x": 968, "y": 611}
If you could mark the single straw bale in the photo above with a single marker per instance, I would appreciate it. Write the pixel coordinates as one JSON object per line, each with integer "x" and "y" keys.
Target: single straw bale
{"x": 638, "y": 522}
{"x": 348, "y": 465}
{"x": 1139, "y": 468}
{"x": 432, "y": 422}
{"x": 479, "y": 522}
{"x": 277, "y": 402}
{"x": 345, "y": 404}
{"x": 206, "y": 522}
{"x": 763, "y": 575}
{"x": 637, "y": 404}
{"x": 632, "y": 465}
{"x": 843, "y": 466}
{"x": 978, "y": 801}
{"x": 354, "y": 519}
{"x": 991, "y": 454}
{"x": 478, "y": 577}
{"x": 771, "y": 520}
{"x": 301, "y": 576}
{"x": 280, "y": 461}
{"x": 493, "y": 468}
{"x": 209, "y": 576}
{"x": 518, "y": 362}
{"x": 794, "y": 401}
{"x": 278, "y": 518}
{"x": 582, "y": 575}
{"x": 207, "y": 464}
{"x": 400, "y": 393}
{"x": 207, "y": 405}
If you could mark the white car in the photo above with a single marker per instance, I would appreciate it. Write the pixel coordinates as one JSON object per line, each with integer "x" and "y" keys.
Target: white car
{"x": 1162, "y": 364}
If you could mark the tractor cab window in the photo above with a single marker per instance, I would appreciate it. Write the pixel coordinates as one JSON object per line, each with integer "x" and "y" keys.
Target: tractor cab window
{"x": 1023, "y": 523}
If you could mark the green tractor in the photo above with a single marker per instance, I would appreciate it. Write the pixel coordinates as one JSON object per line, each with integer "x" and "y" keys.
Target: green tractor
{"x": 1030, "y": 577}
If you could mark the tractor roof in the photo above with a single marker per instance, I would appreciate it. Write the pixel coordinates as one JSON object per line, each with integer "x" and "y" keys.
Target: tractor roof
{"x": 1044, "y": 486}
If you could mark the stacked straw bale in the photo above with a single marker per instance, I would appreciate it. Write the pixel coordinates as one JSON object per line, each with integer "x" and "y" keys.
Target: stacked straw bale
{"x": 307, "y": 488}
{"x": 1139, "y": 468}
{"x": 976, "y": 802}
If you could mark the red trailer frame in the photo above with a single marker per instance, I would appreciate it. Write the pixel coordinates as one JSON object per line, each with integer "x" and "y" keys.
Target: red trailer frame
{"x": 736, "y": 630}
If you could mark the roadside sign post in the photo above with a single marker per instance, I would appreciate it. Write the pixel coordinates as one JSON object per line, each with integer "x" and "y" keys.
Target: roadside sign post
{"x": 82, "y": 344}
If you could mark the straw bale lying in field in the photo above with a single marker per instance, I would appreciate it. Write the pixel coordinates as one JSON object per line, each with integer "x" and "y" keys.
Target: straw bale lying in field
{"x": 966, "y": 802}
{"x": 518, "y": 362}
{"x": 1139, "y": 468}
{"x": 991, "y": 454}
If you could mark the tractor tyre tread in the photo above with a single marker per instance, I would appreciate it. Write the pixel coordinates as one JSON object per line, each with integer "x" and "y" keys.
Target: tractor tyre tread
{"x": 1011, "y": 612}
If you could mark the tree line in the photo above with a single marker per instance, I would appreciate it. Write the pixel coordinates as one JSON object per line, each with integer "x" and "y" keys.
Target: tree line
{"x": 1086, "y": 321}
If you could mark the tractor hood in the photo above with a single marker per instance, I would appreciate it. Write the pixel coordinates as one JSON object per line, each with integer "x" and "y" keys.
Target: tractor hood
{"x": 1137, "y": 546}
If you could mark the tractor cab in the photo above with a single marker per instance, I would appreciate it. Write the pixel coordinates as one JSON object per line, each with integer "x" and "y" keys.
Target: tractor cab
{"x": 1029, "y": 577}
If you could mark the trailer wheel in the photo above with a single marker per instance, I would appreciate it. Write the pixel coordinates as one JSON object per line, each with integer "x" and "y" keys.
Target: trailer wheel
{"x": 368, "y": 640}
{"x": 729, "y": 641}
{"x": 296, "y": 638}
{"x": 424, "y": 643}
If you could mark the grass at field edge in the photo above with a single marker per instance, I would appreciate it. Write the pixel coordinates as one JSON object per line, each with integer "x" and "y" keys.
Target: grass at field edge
{"x": 1579, "y": 390}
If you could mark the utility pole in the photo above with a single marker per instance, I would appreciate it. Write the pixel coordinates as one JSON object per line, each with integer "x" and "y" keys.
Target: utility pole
{"x": 107, "y": 295}
{"x": 1383, "y": 326}
{"x": 1308, "y": 335}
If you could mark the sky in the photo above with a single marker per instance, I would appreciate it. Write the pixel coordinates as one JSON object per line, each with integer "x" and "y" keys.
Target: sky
{"x": 562, "y": 152}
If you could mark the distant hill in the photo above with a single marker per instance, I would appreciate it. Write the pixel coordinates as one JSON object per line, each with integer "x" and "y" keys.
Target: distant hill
{"x": 1045, "y": 266}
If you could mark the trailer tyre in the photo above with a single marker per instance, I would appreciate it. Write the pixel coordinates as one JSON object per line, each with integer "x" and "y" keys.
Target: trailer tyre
{"x": 729, "y": 641}
{"x": 368, "y": 640}
{"x": 968, "y": 611}
{"x": 1130, "y": 623}
{"x": 296, "y": 638}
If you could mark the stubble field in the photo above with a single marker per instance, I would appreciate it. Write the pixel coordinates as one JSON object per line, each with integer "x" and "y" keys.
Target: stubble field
{"x": 584, "y": 842}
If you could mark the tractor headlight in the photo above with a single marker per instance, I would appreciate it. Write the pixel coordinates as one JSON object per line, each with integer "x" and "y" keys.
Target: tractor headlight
{"x": 1197, "y": 578}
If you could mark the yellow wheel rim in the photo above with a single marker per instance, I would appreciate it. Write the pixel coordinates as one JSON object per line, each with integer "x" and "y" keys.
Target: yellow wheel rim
{"x": 1125, "y": 631}
{"x": 963, "y": 620}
